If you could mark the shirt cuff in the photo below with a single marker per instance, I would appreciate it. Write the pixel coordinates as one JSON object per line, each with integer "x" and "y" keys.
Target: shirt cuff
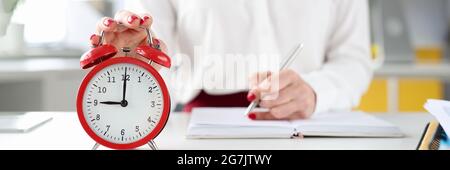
{"x": 325, "y": 91}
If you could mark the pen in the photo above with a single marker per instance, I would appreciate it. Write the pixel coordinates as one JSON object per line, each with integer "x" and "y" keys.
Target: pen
{"x": 283, "y": 65}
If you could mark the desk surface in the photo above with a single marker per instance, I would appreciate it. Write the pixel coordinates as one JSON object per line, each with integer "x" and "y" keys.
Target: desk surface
{"x": 65, "y": 132}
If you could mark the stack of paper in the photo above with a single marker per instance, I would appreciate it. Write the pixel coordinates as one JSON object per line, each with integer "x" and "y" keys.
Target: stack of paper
{"x": 22, "y": 122}
{"x": 232, "y": 123}
{"x": 440, "y": 109}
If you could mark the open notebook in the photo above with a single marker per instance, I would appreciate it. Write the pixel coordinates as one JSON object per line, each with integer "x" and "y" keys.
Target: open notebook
{"x": 232, "y": 123}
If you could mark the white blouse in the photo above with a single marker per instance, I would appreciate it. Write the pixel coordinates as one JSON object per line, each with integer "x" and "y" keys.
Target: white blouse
{"x": 207, "y": 37}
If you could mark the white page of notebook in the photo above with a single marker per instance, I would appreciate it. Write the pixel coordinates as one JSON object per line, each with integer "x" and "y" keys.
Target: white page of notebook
{"x": 342, "y": 119}
{"x": 229, "y": 116}
{"x": 235, "y": 117}
{"x": 232, "y": 123}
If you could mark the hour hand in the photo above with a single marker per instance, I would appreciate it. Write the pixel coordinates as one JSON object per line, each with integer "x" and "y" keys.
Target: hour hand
{"x": 110, "y": 103}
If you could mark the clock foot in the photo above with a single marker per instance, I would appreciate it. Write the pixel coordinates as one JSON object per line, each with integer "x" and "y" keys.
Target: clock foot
{"x": 152, "y": 145}
{"x": 96, "y": 145}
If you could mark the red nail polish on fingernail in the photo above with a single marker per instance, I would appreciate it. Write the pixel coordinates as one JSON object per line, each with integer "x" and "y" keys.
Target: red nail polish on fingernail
{"x": 251, "y": 97}
{"x": 252, "y": 116}
{"x": 131, "y": 19}
{"x": 141, "y": 21}
{"x": 92, "y": 36}
{"x": 108, "y": 22}
{"x": 156, "y": 41}
{"x": 145, "y": 18}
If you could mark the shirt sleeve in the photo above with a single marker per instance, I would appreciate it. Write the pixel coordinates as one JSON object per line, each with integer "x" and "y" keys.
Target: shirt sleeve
{"x": 347, "y": 70}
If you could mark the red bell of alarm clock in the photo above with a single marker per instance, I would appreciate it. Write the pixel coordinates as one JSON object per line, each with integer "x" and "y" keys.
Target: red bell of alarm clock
{"x": 97, "y": 54}
{"x": 153, "y": 52}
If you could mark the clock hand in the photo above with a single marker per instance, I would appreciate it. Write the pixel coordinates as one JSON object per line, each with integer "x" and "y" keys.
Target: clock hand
{"x": 111, "y": 103}
{"x": 124, "y": 102}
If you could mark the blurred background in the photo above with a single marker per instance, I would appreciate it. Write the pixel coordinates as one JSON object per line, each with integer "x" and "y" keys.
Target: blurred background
{"x": 39, "y": 53}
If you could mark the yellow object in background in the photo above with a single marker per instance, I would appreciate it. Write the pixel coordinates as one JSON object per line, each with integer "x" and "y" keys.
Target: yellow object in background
{"x": 375, "y": 51}
{"x": 413, "y": 93}
{"x": 376, "y": 97}
{"x": 429, "y": 55}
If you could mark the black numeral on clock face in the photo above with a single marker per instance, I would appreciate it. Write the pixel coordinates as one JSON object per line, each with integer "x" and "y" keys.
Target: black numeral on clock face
{"x": 101, "y": 89}
{"x": 152, "y": 104}
{"x": 111, "y": 79}
{"x": 150, "y": 89}
{"x": 107, "y": 129}
{"x": 127, "y": 77}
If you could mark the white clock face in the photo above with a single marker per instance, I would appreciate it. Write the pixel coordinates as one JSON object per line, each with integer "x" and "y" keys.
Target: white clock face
{"x": 123, "y": 112}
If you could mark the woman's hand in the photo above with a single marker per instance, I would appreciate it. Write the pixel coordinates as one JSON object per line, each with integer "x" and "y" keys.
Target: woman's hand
{"x": 125, "y": 30}
{"x": 285, "y": 94}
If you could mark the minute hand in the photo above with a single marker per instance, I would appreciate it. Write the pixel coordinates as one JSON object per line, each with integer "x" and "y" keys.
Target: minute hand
{"x": 124, "y": 91}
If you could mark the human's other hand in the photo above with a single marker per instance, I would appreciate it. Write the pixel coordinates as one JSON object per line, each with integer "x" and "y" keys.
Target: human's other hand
{"x": 126, "y": 29}
{"x": 285, "y": 94}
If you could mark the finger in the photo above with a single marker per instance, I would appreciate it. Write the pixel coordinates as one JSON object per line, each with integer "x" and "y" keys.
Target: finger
{"x": 284, "y": 111}
{"x": 128, "y": 19}
{"x": 269, "y": 116}
{"x": 94, "y": 40}
{"x": 257, "y": 78}
{"x": 146, "y": 20}
{"x": 261, "y": 116}
{"x": 162, "y": 45}
{"x": 284, "y": 96}
{"x": 254, "y": 80}
{"x": 106, "y": 24}
{"x": 299, "y": 115}
{"x": 277, "y": 81}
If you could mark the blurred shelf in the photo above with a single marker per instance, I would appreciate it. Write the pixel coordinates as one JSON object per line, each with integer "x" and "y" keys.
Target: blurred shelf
{"x": 42, "y": 52}
{"x": 38, "y": 64}
{"x": 31, "y": 69}
{"x": 36, "y": 60}
{"x": 441, "y": 71}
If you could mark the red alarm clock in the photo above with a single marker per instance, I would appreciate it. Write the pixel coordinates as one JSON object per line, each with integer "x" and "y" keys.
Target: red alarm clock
{"x": 123, "y": 102}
